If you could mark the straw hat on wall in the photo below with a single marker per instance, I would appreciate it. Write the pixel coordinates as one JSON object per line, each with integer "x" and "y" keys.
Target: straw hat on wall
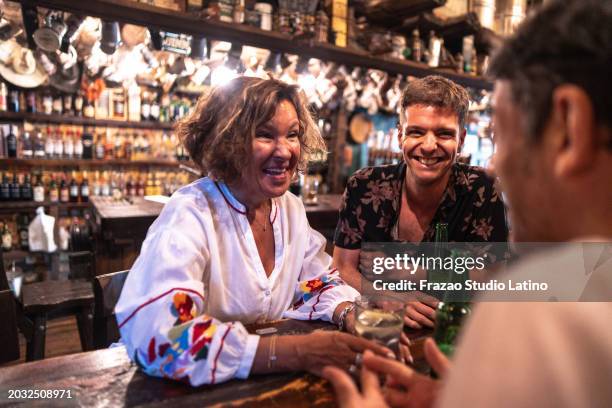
{"x": 19, "y": 67}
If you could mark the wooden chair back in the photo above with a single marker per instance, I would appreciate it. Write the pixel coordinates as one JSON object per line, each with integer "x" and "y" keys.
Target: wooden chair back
{"x": 82, "y": 265}
{"x": 107, "y": 289}
{"x": 9, "y": 338}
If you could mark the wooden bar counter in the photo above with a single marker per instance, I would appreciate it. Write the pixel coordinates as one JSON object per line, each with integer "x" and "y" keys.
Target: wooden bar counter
{"x": 122, "y": 227}
{"x": 107, "y": 378}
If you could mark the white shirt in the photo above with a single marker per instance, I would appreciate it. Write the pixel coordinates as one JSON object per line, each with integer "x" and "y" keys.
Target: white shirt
{"x": 199, "y": 267}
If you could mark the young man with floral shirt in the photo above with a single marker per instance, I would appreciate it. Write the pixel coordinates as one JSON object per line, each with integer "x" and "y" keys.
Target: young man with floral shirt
{"x": 404, "y": 202}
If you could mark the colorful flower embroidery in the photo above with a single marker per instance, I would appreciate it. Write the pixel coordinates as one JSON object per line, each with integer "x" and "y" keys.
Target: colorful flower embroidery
{"x": 190, "y": 340}
{"x": 183, "y": 307}
{"x": 315, "y": 286}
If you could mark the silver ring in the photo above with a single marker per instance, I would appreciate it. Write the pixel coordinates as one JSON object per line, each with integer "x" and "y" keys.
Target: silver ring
{"x": 358, "y": 359}
{"x": 353, "y": 369}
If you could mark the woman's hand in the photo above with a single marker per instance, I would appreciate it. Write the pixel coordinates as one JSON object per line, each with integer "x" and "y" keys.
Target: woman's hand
{"x": 318, "y": 349}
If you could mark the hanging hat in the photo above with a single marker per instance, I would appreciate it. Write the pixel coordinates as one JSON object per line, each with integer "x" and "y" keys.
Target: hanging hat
{"x": 132, "y": 35}
{"x": 360, "y": 128}
{"x": 68, "y": 73}
{"x": 19, "y": 67}
{"x": 66, "y": 79}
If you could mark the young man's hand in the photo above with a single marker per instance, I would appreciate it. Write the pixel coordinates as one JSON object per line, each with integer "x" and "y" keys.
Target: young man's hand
{"x": 404, "y": 386}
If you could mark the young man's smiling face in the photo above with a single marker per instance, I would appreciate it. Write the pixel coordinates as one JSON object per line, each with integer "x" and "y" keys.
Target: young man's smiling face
{"x": 430, "y": 138}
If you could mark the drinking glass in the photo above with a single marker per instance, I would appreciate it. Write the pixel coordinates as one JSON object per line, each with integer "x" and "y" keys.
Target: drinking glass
{"x": 381, "y": 320}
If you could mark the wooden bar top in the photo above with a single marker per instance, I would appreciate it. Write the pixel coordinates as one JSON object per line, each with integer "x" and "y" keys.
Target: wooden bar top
{"x": 138, "y": 207}
{"x": 108, "y": 378}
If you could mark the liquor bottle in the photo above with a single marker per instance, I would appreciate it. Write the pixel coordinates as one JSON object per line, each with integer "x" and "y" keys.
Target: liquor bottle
{"x": 417, "y": 51}
{"x": 3, "y": 97}
{"x": 39, "y": 190}
{"x": 89, "y": 111}
{"x": 11, "y": 143}
{"x": 68, "y": 105}
{"x": 140, "y": 187}
{"x": 7, "y": 238}
{"x": 27, "y": 146}
{"x": 78, "y": 104}
{"x": 87, "y": 141}
{"x": 26, "y": 189}
{"x": 13, "y": 102}
{"x": 64, "y": 191}
{"x": 15, "y": 189}
{"x": 59, "y": 145}
{"x": 47, "y": 103}
{"x": 5, "y": 188}
{"x": 74, "y": 191}
{"x": 78, "y": 146}
{"x": 145, "y": 107}
{"x": 118, "y": 150}
{"x": 23, "y": 223}
{"x": 238, "y": 12}
{"x": 57, "y": 104}
{"x": 54, "y": 193}
{"x": 68, "y": 145}
{"x": 109, "y": 145}
{"x": 145, "y": 148}
{"x": 84, "y": 189}
{"x": 155, "y": 108}
{"x": 39, "y": 145}
{"x": 164, "y": 115}
{"x": 31, "y": 102}
{"x": 131, "y": 188}
{"x": 49, "y": 144}
{"x": 195, "y": 5}
{"x": 105, "y": 187}
{"x": 99, "y": 147}
{"x": 127, "y": 146}
{"x": 435, "y": 47}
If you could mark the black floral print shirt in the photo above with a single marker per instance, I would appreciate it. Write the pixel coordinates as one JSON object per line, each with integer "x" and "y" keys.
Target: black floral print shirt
{"x": 471, "y": 206}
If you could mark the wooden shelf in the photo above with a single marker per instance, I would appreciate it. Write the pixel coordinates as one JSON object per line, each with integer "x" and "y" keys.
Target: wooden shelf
{"x": 15, "y": 206}
{"x": 81, "y": 121}
{"x": 150, "y": 16}
{"x": 74, "y": 163}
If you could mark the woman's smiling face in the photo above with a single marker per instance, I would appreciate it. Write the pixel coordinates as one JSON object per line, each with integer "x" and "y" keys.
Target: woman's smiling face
{"x": 275, "y": 151}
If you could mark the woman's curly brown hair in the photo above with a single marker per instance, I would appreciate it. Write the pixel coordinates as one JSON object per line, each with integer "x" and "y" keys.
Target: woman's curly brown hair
{"x": 218, "y": 132}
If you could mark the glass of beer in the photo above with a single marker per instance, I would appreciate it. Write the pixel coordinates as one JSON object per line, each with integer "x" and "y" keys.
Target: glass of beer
{"x": 381, "y": 320}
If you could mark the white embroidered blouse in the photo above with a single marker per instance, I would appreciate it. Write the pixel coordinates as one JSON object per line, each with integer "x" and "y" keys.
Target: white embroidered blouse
{"x": 199, "y": 277}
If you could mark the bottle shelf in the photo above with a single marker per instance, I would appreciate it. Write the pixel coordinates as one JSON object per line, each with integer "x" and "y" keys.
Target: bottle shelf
{"x": 83, "y": 163}
{"x": 81, "y": 121}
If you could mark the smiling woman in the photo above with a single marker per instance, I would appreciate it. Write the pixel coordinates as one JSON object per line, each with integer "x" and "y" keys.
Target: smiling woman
{"x": 235, "y": 247}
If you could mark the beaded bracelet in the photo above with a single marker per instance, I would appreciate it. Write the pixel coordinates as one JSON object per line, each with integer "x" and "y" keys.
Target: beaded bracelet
{"x": 342, "y": 317}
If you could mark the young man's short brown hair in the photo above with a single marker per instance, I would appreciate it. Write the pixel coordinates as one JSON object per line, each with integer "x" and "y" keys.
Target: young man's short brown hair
{"x": 434, "y": 90}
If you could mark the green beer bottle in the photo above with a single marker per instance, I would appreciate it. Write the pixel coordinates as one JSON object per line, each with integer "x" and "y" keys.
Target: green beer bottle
{"x": 451, "y": 311}
{"x": 437, "y": 273}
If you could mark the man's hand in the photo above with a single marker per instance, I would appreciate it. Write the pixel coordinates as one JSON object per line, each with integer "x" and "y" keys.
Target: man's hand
{"x": 347, "y": 393}
{"x": 421, "y": 312}
{"x": 404, "y": 386}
